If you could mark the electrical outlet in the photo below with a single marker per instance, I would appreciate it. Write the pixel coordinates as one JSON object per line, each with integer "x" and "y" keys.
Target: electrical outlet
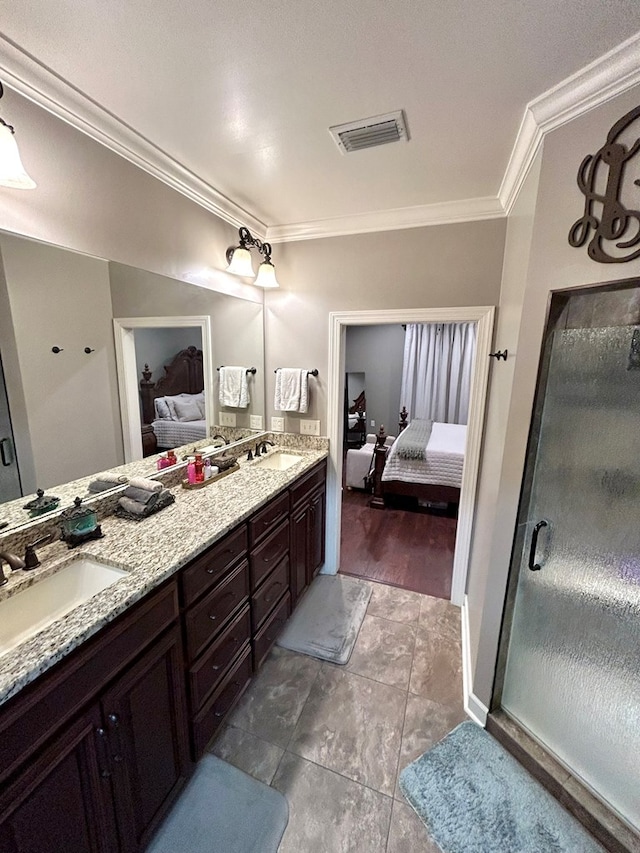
{"x": 309, "y": 427}
{"x": 227, "y": 418}
{"x": 373, "y": 423}
{"x": 277, "y": 424}
{"x": 255, "y": 421}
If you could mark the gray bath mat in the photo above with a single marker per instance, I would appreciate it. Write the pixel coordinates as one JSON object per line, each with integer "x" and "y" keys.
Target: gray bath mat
{"x": 326, "y": 623}
{"x": 223, "y": 810}
{"x": 474, "y": 797}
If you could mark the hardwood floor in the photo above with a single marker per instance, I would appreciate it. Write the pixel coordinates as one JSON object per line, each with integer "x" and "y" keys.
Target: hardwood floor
{"x": 408, "y": 549}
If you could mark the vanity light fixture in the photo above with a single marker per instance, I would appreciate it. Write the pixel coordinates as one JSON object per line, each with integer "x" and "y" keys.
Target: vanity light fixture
{"x": 239, "y": 260}
{"x": 12, "y": 172}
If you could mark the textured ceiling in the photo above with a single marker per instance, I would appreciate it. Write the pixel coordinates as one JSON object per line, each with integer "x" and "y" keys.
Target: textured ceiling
{"x": 242, "y": 94}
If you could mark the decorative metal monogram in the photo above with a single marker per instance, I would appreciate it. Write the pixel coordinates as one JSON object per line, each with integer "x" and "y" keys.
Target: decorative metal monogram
{"x": 616, "y": 221}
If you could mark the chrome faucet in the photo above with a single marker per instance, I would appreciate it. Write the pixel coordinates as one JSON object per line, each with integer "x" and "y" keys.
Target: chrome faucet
{"x": 14, "y": 562}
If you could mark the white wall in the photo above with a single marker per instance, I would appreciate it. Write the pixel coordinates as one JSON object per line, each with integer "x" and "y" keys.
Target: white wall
{"x": 60, "y": 298}
{"x": 552, "y": 265}
{"x": 443, "y": 266}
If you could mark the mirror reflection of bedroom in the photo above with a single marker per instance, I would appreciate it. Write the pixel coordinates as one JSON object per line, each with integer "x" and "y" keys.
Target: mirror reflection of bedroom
{"x": 169, "y": 367}
{"x": 407, "y": 538}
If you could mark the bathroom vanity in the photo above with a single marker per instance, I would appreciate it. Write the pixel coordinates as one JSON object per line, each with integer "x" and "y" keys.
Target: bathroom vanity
{"x": 106, "y": 711}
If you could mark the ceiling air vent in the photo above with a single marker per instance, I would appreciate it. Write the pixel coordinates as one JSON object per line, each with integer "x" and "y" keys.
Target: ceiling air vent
{"x": 369, "y": 132}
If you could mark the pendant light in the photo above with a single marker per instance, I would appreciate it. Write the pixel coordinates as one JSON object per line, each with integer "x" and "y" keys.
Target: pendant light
{"x": 12, "y": 172}
{"x": 239, "y": 260}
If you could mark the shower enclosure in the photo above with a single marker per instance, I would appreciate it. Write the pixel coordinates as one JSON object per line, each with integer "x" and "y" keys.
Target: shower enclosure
{"x": 570, "y": 652}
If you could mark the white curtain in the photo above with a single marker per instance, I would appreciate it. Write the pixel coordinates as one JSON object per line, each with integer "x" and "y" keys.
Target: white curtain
{"x": 436, "y": 373}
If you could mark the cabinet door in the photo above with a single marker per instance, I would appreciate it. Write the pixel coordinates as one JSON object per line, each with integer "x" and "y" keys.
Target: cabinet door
{"x": 316, "y": 533}
{"x": 299, "y": 548}
{"x": 62, "y": 801}
{"x": 144, "y": 714}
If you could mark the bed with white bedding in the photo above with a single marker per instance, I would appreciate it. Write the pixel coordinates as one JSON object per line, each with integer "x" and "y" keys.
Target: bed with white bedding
{"x": 438, "y": 476}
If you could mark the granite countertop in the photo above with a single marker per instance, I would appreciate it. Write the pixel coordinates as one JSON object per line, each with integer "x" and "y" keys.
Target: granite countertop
{"x": 150, "y": 551}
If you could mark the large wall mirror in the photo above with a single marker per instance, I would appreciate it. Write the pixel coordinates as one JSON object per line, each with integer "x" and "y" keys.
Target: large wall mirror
{"x": 61, "y": 405}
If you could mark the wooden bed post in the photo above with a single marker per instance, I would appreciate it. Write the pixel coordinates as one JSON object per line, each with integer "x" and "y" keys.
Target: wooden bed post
{"x": 404, "y": 414}
{"x": 380, "y": 457}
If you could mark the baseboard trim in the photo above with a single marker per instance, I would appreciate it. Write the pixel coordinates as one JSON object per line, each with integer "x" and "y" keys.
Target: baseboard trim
{"x": 473, "y": 707}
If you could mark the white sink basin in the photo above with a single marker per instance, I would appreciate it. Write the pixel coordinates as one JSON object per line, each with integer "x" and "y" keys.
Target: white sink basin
{"x": 26, "y": 613}
{"x": 279, "y": 461}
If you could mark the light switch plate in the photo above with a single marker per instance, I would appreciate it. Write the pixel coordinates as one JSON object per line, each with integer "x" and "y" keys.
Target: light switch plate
{"x": 277, "y": 424}
{"x": 255, "y": 421}
{"x": 227, "y": 418}
{"x": 309, "y": 427}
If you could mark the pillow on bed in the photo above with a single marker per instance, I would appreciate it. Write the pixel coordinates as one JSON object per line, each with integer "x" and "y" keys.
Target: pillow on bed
{"x": 199, "y": 400}
{"x": 187, "y": 409}
{"x": 161, "y": 409}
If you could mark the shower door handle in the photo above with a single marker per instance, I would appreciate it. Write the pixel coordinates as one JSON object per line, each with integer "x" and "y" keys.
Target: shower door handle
{"x": 6, "y": 453}
{"x": 535, "y": 567}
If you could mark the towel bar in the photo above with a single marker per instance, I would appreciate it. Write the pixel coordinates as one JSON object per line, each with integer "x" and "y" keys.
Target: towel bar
{"x": 313, "y": 372}
{"x": 252, "y": 370}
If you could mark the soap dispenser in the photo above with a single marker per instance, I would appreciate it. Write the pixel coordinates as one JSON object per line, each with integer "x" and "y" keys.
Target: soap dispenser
{"x": 79, "y": 524}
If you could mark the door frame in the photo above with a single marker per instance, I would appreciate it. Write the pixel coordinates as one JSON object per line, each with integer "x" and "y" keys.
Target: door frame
{"x": 338, "y": 323}
{"x": 128, "y": 387}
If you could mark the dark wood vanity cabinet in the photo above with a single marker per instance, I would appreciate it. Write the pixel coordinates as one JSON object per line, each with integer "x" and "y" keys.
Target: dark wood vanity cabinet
{"x": 95, "y": 751}
{"x": 308, "y": 521}
{"x": 99, "y": 742}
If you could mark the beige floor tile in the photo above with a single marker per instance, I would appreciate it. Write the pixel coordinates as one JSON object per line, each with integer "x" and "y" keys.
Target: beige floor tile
{"x": 440, "y": 616}
{"x": 272, "y": 704}
{"x": 352, "y": 725}
{"x": 407, "y": 833}
{"x": 425, "y": 723}
{"x": 384, "y": 651}
{"x": 399, "y": 605}
{"x": 328, "y": 813}
{"x": 436, "y": 672}
{"x": 248, "y": 752}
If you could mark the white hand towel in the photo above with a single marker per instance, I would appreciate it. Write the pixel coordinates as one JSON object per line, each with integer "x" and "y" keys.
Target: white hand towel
{"x": 292, "y": 390}
{"x": 234, "y": 388}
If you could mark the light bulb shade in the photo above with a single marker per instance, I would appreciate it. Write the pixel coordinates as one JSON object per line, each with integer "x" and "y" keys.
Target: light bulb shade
{"x": 240, "y": 263}
{"x": 12, "y": 172}
{"x": 266, "y": 275}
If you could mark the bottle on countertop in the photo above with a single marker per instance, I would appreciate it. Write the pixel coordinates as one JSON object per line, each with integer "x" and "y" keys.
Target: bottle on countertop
{"x": 199, "y": 465}
{"x": 171, "y": 457}
{"x": 207, "y": 469}
{"x": 163, "y": 462}
{"x": 191, "y": 469}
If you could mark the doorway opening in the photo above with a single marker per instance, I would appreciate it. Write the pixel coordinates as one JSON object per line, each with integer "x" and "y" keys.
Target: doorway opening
{"x": 339, "y": 322}
{"x": 128, "y": 376}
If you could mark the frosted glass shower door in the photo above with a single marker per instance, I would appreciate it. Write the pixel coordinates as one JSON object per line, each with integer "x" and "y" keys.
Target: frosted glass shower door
{"x": 572, "y": 675}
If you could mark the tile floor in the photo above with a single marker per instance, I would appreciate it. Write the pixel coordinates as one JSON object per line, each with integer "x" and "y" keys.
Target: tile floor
{"x": 334, "y": 739}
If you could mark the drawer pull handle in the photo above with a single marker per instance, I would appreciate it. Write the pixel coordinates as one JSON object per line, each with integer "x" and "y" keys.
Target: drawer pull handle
{"x": 216, "y": 667}
{"x": 273, "y": 586}
{"x": 219, "y": 713}
{"x": 213, "y": 617}
{"x": 211, "y": 571}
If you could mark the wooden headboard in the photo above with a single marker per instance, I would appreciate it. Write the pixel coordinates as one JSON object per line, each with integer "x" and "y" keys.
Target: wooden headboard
{"x": 183, "y": 376}
{"x": 359, "y": 404}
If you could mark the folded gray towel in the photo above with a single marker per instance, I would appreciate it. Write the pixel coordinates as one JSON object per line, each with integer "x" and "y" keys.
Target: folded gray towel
{"x": 141, "y": 495}
{"x": 147, "y": 485}
{"x": 137, "y": 508}
{"x": 108, "y": 477}
{"x": 102, "y": 486}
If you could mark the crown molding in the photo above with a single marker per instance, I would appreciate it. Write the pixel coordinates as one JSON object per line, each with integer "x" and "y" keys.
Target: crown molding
{"x": 39, "y": 84}
{"x": 603, "y": 79}
{"x": 464, "y": 210}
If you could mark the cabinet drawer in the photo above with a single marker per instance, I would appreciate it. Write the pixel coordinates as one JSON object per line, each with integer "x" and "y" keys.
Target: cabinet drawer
{"x": 268, "y": 634}
{"x": 308, "y": 483}
{"x": 205, "y": 620}
{"x": 264, "y": 521}
{"x": 269, "y": 593}
{"x": 209, "y": 720}
{"x": 209, "y": 567}
{"x": 206, "y": 674}
{"x": 267, "y": 555}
